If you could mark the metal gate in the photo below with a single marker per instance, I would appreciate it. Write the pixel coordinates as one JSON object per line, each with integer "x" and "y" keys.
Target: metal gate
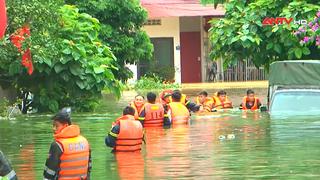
{"x": 242, "y": 71}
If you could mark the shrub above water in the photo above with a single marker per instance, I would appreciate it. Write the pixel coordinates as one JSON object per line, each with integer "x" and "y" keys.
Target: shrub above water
{"x": 153, "y": 83}
{"x": 164, "y": 72}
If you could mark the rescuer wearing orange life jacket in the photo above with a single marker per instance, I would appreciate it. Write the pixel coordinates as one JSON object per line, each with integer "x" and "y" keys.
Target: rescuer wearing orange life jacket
{"x": 165, "y": 99}
{"x": 185, "y": 101}
{"x": 206, "y": 103}
{"x": 178, "y": 113}
{"x": 127, "y": 134}
{"x": 153, "y": 114}
{"x": 250, "y": 102}
{"x": 221, "y": 100}
{"x": 137, "y": 105}
{"x": 69, "y": 155}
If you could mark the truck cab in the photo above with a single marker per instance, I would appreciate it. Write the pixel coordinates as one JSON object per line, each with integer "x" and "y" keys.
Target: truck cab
{"x": 294, "y": 88}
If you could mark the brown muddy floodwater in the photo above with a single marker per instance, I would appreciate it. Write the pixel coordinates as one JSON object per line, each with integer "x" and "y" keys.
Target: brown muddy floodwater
{"x": 225, "y": 145}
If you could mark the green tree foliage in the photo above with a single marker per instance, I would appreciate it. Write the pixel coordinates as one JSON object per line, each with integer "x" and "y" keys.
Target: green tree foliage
{"x": 121, "y": 30}
{"x": 42, "y": 19}
{"x": 310, "y": 34}
{"x": 241, "y": 35}
{"x": 72, "y": 66}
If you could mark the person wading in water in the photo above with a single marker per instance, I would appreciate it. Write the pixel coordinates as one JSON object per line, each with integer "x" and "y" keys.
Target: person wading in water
{"x": 69, "y": 155}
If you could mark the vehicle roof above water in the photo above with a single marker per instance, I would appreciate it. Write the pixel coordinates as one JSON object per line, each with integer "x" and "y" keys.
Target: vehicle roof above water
{"x": 303, "y": 73}
{"x": 297, "y": 90}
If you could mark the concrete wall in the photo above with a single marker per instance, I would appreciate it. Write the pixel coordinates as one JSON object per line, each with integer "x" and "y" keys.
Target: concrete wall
{"x": 9, "y": 93}
{"x": 134, "y": 70}
{"x": 204, "y": 46}
{"x": 170, "y": 27}
{"x": 190, "y": 24}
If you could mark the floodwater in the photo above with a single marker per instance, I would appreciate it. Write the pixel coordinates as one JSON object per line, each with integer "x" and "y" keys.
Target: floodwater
{"x": 229, "y": 145}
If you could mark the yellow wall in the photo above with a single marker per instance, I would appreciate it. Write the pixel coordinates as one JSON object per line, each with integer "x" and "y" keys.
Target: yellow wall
{"x": 170, "y": 27}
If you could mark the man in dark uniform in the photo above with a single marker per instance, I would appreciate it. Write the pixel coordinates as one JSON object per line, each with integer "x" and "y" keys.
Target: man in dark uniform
{"x": 151, "y": 97}
{"x": 69, "y": 150}
{"x": 6, "y": 172}
{"x": 190, "y": 105}
{"x": 126, "y": 134}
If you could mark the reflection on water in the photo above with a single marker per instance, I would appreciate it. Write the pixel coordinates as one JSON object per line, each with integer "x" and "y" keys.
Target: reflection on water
{"x": 26, "y": 169}
{"x": 130, "y": 165}
{"x": 261, "y": 147}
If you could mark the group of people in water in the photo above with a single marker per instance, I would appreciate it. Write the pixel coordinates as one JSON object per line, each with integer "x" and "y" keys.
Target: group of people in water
{"x": 70, "y": 154}
{"x": 220, "y": 101}
{"x": 202, "y": 103}
{"x": 171, "y": 108}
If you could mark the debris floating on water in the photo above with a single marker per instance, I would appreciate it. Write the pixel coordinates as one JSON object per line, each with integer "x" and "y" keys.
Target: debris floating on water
{"x": 222, "y": 137}
{"x": 231, "y": 136}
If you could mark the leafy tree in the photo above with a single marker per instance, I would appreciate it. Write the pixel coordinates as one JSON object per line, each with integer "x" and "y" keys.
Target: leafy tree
{"x": 241, "y": 35}
{"x": 42, "y": 20}
{"x": 72, "y": 66}
{"x": 121, "y": 30}
{"x": 310, "y": 35}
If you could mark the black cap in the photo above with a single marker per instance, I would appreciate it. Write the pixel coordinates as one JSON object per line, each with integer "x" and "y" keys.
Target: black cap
{"x": 176, "y": 95}
{"x": 63, "y": 116}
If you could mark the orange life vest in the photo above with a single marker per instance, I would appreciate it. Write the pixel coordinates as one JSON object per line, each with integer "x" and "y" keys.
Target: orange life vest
{"x": 154, "y": 115}
{"x": 75, "y": 156}
{"x": 222, "y": 105}
{"x": 136, "y": 110}
{"x": 125, "y": 117}
{"x": 208, "y": 104}
{"x": 183, "y": 99}
{"x": 179, "y": 113}
{"x": 255, "y": 104}
{"x": 130, "y": 136}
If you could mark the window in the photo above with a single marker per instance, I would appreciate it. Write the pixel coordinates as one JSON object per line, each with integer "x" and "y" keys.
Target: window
{"x": 152, "y": 22}
{"x": 296, "y": 103}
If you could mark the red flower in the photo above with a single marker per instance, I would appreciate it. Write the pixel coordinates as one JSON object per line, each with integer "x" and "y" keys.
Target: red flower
{"x": 17, "y": 40}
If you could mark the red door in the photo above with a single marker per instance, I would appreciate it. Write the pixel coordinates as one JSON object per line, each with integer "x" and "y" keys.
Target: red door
{"x": 190, "y": 50}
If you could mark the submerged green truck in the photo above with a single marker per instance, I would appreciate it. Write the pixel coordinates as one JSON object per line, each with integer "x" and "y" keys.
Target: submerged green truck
{"x": 294, "y": 88}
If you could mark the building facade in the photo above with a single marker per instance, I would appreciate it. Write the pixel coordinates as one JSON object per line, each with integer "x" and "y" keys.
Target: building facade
{"x": 178, "y": 30}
